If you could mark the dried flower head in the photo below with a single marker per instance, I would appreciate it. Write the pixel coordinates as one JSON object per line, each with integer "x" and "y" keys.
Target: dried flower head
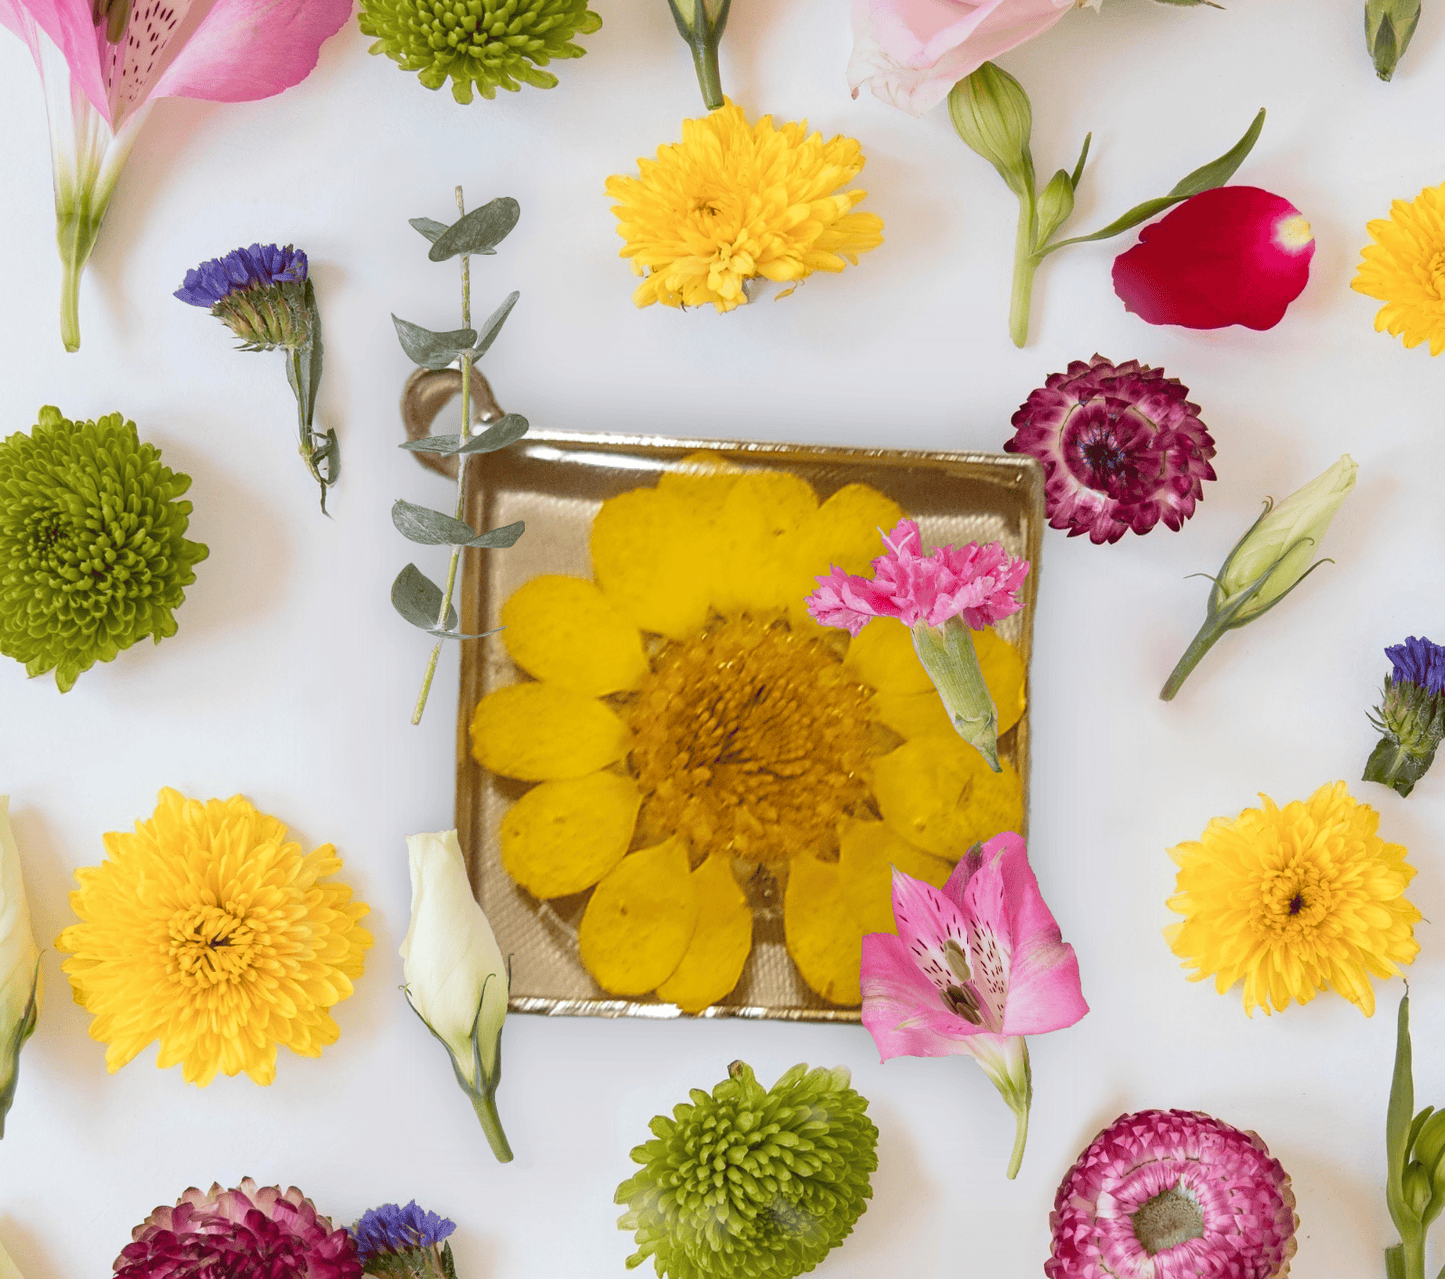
{"x": 1294, "y": 900}
{"x": 208, "y": 931}
{"x": 1173, "y": 1195}
{"x": 1411, "y": 715}
{"x": 93, "y": 553}
{"x": 733, "y": 202}
{"x": 245, "y": 1233}
{"x": 1402, "y": 269}
{"x": 1121, "y": 447}
{"x": 404, "y": 1243}
{"x": 494, "y": 44}
{"x": 797, "y": 1158}
{"x": 248, "y": 290}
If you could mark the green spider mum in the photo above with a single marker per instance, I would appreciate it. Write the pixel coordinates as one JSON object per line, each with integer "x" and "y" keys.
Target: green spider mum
{"x": 492, "y": 43}
{"x": 747, "y": 1182}
{"x": 93, "y": 555}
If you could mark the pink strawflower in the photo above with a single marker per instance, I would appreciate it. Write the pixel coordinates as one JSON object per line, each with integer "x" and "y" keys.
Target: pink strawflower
{"x": 1231, "y": 255}
{"x": 1173, "y": 1194}
{"x": 1122, "y": 448}
{"x": 245, "y": 1233}
{"x": 978, "y": 583}
{"x": 973, "y": 969}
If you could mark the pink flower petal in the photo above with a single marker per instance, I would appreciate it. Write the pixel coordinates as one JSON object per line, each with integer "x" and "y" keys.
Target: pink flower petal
{"x": 902, "y": 1008}
{"x": 68, "y": 24}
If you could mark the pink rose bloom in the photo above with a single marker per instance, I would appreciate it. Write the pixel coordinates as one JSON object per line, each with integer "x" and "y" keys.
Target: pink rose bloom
{"x": 912, "y": 52}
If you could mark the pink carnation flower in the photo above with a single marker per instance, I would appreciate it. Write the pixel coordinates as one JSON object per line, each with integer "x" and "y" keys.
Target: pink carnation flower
{"x": 246, "y": 1233}
{"x": 1173, "y": 1195}
{"x": 978, "y": 583}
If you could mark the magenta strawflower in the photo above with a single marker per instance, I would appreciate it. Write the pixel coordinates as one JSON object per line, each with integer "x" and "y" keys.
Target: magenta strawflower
{"x": 1121, "y": 447}
{"x": 942, "y": 597}
{"x": 245, "y": 1233}
{"x": 1173, "y": 1194}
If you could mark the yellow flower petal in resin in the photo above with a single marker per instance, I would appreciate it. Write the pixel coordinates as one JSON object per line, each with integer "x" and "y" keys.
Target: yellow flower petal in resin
{"x": 754, "y": 570}
{"x": 562, "y": 837}
{"x": 539, "y": 732}
{"x": 869, "y": 851}
{"x": 639, "y": 921}
{"x": 920, "y": 714}
{"x": 824, "y": 939}
{"x": 651, "y": 556}
{"x": 563, "y": 629}
{"x": 720, "y": 945}
{"x": 882, "y": 655}
{"x": 940, "y": 795}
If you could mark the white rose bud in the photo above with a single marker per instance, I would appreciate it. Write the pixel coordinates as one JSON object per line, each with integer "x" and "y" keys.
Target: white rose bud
{"x": 456, "y": 978}
{"x": 20, "y": 986}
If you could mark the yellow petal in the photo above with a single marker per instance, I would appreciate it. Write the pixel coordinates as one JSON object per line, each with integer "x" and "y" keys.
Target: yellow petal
{"x": 538, "y": 732}
{"x": 651, "y": 556}
{"x": 938, "y": 794}
{"x": 704, "y": 481}
{"x": 754, "y": 565}
{"x": 719, "y": 948}
{"x": 564, "y": 629}
{"x": 847, "y": 531}
{"x": 869, "y": 852}
{"x": 639, "y": 921}
{"x": 824, "y": 940}
{"x": 562, "y": 837}
{"x": 882, "y": 656}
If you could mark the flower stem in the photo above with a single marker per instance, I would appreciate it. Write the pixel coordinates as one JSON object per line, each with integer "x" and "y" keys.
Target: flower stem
{"x": 462, "y": 460}
{"x": 1209, "y": 633}
{"x": 709, "y": 78}
{"x": 1021, "y": 1136}
{"x": 486, "y": 1109}
{"x": 1026, "y": 262}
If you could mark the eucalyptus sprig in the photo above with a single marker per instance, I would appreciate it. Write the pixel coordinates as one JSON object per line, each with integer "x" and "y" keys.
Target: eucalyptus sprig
{"x": 414, "y": 595}
{"x": 1415, "y": 1162}
{"x": 992, "y": 114}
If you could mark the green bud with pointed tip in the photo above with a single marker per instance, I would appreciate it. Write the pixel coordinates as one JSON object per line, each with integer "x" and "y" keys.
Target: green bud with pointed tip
{"x": 992, "y": 114}
{"x": 1055, "y": 204}
{"x": 1389, "y": 27}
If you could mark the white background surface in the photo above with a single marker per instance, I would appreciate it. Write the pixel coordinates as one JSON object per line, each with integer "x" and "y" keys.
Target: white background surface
{"x": 291, "y": 680}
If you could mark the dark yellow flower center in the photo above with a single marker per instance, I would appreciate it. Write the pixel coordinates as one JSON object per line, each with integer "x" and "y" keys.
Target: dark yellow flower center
{"x": 211, "y": 945}
{"x": 751, "y": 738}
{"x": 1292, "y": 900}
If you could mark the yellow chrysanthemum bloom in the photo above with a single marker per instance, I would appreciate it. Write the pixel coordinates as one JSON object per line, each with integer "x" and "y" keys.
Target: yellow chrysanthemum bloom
{"x": 735, "y": 201}
{"x": 1405, "y": 269}
{"x": 694, "y": 732}
{"x": 210, "y": 932}
{"x": 1294, "y": 900}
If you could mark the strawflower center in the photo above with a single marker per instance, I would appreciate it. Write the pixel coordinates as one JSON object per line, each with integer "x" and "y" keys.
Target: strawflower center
{"x": 751, "y": 739}
{"x": 211, "y": 945}
{"x": 1169, "y": 1219}
{"x": 1110, "y": 448}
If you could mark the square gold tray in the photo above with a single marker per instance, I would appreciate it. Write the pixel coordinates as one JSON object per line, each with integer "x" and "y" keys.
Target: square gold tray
{"x": 556, "y": 481}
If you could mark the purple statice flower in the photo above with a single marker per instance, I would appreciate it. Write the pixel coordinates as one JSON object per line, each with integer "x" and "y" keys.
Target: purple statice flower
{"x": 255, "y": 267}
{"x": 391, "y": 1229}
{"x": 1418, "y": 661}
{"x": 1410, "y": 716}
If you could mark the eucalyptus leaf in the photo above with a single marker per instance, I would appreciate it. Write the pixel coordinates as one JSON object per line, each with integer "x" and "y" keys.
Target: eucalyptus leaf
{"x": 494, "y": 323}
{"x": 429, "y": 227}
{"x": 507, "y": 535}
{"x": 479, "y": 231}
{"x": 504, "y": 431}
{"x": 418, "y": 599}
{"x": 432, "y": 350}
{"x": 446, "y": 445}
{"x": 431, "y": 528}
{"x": 1215, "y": 173}
{"x": 459, "y": 635}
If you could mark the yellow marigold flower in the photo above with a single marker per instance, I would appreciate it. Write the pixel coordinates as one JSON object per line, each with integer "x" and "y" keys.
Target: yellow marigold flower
{"x": 1294, "y": 900}
{"x": 208, "y": 931}
{"x": 735, "y": 201}
{"x": 1405, "y": 269}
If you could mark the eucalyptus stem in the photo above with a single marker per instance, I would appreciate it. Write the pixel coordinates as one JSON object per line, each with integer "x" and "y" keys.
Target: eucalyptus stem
{"x": 466, "y": 365}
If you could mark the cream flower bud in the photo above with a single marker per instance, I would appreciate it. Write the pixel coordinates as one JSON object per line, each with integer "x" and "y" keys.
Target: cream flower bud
{"x": 20, "y": 987}
{"x": 456, "y": 978}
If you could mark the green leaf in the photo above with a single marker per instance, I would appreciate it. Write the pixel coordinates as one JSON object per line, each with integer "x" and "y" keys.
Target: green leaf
{"x": 1215, "y": 173}
{"x": 505, "y": 536}
{"x": 418, "y": 599}
{"x": 446, "y": 445}
{"x": 494, "y": 323}
{"x": 1079, "y": 167}
{"x": 480, "y": 231}
{"x": 432, "y": 528}
{"x": 429, "y": 227}
{"x": 502, "y": 432}
{"x": 432, "y": 350}
{"x": 1398, "y": 1121}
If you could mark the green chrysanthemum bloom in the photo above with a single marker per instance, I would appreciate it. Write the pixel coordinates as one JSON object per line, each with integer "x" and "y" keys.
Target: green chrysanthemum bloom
{"x": 492, "y": 43}
{"x": 754, "y": 1183}
{"x": 93, "y": 555}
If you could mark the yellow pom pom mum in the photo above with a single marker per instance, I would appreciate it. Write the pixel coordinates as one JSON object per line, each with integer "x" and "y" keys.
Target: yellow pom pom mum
{"x": 209, "y": 931}
{"x": 540, "y": 732}
{"x": 1294, "y": 900}
{"x": 1405, "y": 269}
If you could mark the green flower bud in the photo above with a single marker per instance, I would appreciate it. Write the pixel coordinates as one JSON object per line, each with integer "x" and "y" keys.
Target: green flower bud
{"x": 1389, "y": 27}
{"x": 1418, "y": 1189}
{"x": 947, "y": 653}
{"x": 991, "y": 112}
{"x": 1055, "y": 205}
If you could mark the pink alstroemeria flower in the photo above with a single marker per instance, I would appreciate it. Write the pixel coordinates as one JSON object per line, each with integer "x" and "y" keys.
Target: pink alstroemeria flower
{"x": 912, "y": 52}
{"x": 974, "y": 968}
{"x": 102, "y": 63}
{"x": 942, "y": 597}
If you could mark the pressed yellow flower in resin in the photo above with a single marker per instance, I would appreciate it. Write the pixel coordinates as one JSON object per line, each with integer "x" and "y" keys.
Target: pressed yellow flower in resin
{"x": 1405, "y": 269}
{"x": 695, "y": 735}
{"x": 207, "y": 930}
{"x": 1294, "y": 900}
{"x": 732, "y": 202}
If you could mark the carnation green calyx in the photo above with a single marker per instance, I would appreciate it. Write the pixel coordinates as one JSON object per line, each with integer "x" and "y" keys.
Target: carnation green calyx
{"x": 494, "y": 44}
{"x": 93, "y": 554}
{"x": 752, "y": 1182}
